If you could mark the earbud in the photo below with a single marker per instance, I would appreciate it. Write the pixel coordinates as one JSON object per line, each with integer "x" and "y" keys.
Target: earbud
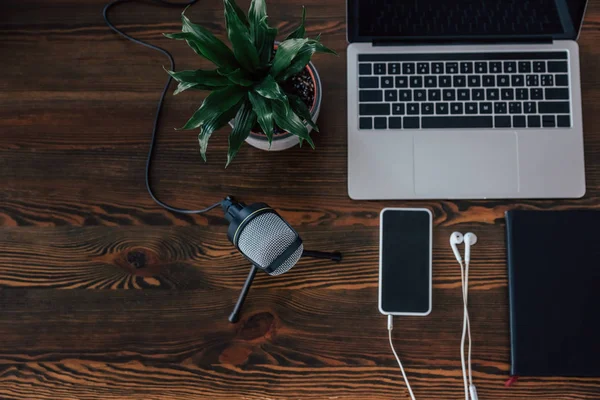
{"x": 470, "y": 239}
{"x": 455, "y": 239}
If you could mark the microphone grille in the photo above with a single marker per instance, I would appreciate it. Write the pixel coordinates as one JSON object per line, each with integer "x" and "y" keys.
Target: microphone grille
{"x": 265, "y": 238}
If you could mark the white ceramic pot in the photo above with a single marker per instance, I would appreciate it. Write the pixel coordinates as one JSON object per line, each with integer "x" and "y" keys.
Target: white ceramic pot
{"x": 286, "y": 140}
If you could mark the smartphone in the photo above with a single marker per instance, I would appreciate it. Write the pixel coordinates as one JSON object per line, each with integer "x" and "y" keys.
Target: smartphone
{"x": 405, "y": 273}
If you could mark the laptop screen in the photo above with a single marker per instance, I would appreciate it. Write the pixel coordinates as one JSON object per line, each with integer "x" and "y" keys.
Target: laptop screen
{"x": 370, "y": 20}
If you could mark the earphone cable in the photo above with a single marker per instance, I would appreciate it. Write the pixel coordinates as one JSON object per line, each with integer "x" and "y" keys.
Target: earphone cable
{"x": 467, "y": 378}
{"x": 160, "y": 101}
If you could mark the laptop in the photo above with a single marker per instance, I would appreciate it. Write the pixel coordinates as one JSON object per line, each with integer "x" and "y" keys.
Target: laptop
{"x": 462, "y": 99}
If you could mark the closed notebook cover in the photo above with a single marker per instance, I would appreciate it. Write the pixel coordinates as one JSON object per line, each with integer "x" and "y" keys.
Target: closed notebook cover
{"x": 554, "y": 290}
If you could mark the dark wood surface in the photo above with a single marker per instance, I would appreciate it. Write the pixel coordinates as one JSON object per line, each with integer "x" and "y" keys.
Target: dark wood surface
{"x": 104, "y": 295}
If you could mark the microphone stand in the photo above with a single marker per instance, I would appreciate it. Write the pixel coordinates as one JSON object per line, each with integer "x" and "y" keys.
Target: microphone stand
{"x": 235, "y": 314}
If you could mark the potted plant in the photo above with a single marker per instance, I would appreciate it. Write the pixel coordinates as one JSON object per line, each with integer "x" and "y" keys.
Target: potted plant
{"x": 269, "y": 92}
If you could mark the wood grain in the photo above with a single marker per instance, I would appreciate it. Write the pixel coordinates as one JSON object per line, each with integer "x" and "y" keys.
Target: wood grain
{"x": 104, "y": 295}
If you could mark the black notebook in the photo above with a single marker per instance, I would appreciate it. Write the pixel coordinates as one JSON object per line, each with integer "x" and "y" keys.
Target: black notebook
{"x": 554, "y": 292}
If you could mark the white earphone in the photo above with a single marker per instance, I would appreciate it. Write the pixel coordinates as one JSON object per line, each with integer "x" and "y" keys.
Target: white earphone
{"x": 469, "y": 239}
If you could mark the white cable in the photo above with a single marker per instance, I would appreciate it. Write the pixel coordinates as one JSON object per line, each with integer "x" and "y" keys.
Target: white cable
{"x": 390, "y": 327}
{"x": 466, "y": 328}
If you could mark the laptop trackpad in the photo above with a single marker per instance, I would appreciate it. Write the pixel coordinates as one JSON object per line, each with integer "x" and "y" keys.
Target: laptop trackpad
{"x": 472, "y": 164}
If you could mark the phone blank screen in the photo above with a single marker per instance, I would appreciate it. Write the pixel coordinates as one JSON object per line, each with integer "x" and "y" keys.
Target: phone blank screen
{"x": 405, "y": 280}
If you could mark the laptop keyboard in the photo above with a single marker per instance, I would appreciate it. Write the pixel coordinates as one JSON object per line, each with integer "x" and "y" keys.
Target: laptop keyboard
{"x": 464, "y": 90}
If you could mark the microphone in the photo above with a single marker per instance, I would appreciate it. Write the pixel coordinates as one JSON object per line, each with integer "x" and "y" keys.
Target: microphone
{"x": 266, "y": 240}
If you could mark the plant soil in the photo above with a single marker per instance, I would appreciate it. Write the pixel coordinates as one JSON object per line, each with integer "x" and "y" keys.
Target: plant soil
{"x": 300, "y": 85}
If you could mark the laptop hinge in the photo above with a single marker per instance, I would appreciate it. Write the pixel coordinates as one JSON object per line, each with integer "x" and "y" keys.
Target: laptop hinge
{"x": 461, "y": 41}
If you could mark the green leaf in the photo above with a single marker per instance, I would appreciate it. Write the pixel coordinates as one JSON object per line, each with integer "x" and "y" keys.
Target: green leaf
{"x": 205, "y": 44}
{"x": 286, "y": 119}
{"x": 301, "y": 110}
{"x": 270, "y": 89}
{"x": 242, "y": 125}
{"x": 239, "y": 77}
{"x": 302, "y": 59}
{"x": 215, "y": 122}
{"x": 183, "y": 86}
{"x": 239, "y": 36}
{"x": 217, "y": 102}
{"x": 300, "y": 31}
{"x": 321, "y": 48}
{"x": 264, "y": 114}
{"x": 263, "y": 36}
{"x": 210, "y": 79}
{"x": 240, "y": 13}
{"x": 286, "y": 51}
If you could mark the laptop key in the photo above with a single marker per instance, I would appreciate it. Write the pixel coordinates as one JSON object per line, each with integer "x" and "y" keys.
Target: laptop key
{"x": 431, "y": 81}
{"x": 423, "y": 68}
{"x": 470, "y": 108}
{"x": 394, "y": 69}
{"x": 395, "y": 122}
{"x": 401, "y": 82}
{"x": 561, "y": 80}
{"x": 411, "y": 123}
{"x": 478, "y": 94}
{"x": 474, "y": 80}
{"x": 563, "y": 121}
{"x": 517, "y": 80}
{"x": 503, "y": 80}
{"x": 500, "y": 107}
{"x": 445, "y": 81}
{"x": 510, "y": 67}
{"x": 464, "y": 94}
{"x": 416, "y": 81}
{"x": 508, "y": 94}
{"x": 412, "y": 108}
{"x": 502, "y": 121}
{"x": 408, "y": 68}
{"x": 387, "y": 82}
{"x": 557, "y": 94}
{"x": 456, "y": 108}
{"x": 368, "y": 83}
{"x": 457, "y": 122}
{"x": 426, "y": 108}
{"x": 442, "y": 108}
{"x": 485, "y": 108}
{"x": 532, "y": 80}
{"x": 519, "y": 121}
{"x": 391, "y": 95}
{"x": 459, "y": 81}
{"x": 364, "y": 69}
{"x": 481, "y": 67}
{"x": 466, "y": 67}
{"x": 514, "y": 107}
{"x": 524, "y": 67}
{"x": 496, "y": 67}
{"x": 452, "y": 68}
{"x": 489, "y": 81}
{"x": 539, "y": 66}
{"x": 553, "y": 107}
{"x": 398, "y": 109}
{"x": 420, "y": 95}
{"x": 492, "y": 94}
{"x": 365, "y": 123}
{"x": 533, "y": 121}
{"x": 449, "y": 94}
{"x": 522, "y": 94}
{"x": 529, "y": 107}
{"x": 537, "y": 94}
{"x": 379, "y": 69}
{"x": 558, "y": 66}
{"x": 434, "y": 95}
{"x": 370, "y": 95}
{"x": 548, "y": 121}
{"x": 437, "y": 67}
{"x": 405, "y": 95}
{"x": 374, "y": 109}
{"x": 380, "y": 123}
{"x": 547, "y": 80}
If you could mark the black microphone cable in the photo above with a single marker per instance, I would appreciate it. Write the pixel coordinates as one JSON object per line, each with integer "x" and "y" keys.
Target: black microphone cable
{"x": 160, "y": 101}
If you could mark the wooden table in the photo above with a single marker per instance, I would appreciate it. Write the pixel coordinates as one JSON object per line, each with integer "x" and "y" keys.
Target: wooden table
{"x": 104, "y": 295}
